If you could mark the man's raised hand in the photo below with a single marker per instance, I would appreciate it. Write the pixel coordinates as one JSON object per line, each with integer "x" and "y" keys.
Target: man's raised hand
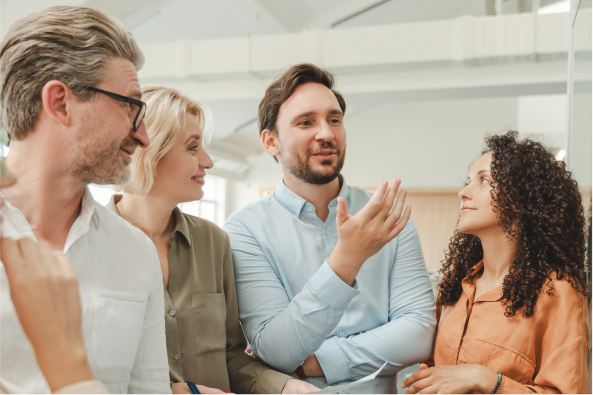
{"x": 362, "y": 235}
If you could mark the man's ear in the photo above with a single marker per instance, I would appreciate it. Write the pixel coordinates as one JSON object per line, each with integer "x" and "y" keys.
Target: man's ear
{"x": 56, "y": 100}
{"x": 269, "y": 140}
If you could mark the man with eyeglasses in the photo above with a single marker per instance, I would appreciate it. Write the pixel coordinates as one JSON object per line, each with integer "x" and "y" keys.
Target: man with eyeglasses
{"x": 71, "y": 107}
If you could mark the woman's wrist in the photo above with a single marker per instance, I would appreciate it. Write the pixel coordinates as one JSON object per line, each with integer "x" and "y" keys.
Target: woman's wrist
{"x": 485, "y": 379}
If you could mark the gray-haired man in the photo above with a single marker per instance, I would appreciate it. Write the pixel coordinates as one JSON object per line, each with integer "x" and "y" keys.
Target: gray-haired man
{"x": 70, "y": 104}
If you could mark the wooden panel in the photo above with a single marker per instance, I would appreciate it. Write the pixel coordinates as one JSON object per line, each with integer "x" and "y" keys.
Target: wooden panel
{"x": 435, "y": 215}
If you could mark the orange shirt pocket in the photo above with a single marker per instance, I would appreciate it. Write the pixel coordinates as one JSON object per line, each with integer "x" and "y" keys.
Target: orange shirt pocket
{"x": 511, "y": 363}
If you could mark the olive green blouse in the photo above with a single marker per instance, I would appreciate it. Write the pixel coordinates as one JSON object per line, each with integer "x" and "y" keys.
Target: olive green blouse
{"x": 205, "y": 342}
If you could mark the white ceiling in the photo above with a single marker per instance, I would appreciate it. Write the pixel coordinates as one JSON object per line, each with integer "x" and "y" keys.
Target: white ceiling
{"x": 169, "y": 21}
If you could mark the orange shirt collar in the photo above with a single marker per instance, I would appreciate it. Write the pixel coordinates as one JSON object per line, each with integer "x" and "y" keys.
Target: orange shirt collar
{"x": 470, "y": 288}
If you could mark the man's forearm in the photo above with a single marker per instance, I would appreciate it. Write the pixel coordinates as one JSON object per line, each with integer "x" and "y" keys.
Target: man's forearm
{"x": 312, "y": 315}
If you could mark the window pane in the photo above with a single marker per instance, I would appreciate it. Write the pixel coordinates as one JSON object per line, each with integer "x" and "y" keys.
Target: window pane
{"x": 191, "y": 208}
{"x": 209, "y": 188}
{"x": 208, "y": 211}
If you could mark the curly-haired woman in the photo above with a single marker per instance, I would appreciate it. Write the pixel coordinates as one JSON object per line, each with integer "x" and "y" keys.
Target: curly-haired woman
{"x": 512, "y": 303}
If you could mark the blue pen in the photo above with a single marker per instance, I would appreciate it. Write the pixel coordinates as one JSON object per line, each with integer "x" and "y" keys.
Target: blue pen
{"x": 193, "y": 387}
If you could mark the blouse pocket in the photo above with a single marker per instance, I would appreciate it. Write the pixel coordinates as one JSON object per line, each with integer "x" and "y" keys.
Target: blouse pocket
{"x": 209, "y": 316}
{"x": 496, "y": 357}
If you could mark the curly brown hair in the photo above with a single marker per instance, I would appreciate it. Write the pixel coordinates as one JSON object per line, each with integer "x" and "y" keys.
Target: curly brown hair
{"x": 538, "y": 203}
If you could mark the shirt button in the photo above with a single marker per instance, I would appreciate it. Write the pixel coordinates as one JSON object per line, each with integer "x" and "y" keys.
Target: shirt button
{"x": 327, "y": 232}
{"x": 176, "y": 357}
{"x": 172, "y": 313}
{"x": 342, "y": 334}
{"x": 309, "y": 209}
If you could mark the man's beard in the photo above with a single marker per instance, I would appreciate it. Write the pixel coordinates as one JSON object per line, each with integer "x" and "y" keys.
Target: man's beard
{"x": 95, "y": 162}
{"x": 300, "y": 167}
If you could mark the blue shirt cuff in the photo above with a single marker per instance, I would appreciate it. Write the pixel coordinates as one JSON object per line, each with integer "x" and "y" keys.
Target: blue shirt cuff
{"x": 331, "y": 289}
{"x": 333, "y": 362}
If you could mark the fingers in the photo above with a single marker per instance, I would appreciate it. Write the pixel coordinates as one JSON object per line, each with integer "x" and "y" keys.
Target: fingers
{"x": 419, "y": 386}
{"x": 419, "y": 375}
{"x": 423, "y": 366}
{"x": 11, "y": 256}
{"x": 341, "y": 212}
{"x": 388, "y": 200}
{"x": 401, "y": 224}
{"x": 311, "y": 388}
{"x": 396, "y": 213}
{"x": 374, "y": 204}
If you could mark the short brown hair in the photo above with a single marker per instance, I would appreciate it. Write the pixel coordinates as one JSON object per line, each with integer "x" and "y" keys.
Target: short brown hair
{"x": 281, "y": 89}
{"x": 68, "y": 44}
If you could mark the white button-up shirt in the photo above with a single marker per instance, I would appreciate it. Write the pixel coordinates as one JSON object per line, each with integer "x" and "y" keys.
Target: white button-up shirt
{"x": 122, "y": 299}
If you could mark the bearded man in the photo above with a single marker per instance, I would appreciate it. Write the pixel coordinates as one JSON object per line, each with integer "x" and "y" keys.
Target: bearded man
{"x": 331, "y": 281}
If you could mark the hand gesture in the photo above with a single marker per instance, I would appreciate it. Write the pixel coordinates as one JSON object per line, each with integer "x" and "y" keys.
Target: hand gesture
{"x": 362, "y": 235}
{"x": 44, "y": 292}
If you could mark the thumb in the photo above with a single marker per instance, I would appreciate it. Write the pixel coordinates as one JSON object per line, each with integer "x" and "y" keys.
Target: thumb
{"x": 341, "y": 212}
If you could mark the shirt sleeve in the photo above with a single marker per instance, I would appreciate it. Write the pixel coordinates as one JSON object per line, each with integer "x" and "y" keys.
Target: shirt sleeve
{"x": 246, "y": 375}
{"x": 150, "y": 373}
{"x": 563, "y": 371}
{"x": 408, "y": 336}
{"x": 283, "y": 332}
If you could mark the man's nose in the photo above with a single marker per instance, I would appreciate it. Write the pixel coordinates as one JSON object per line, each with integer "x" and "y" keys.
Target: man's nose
{"x": 141, "y": 136}
{"x": 324, "y": 132}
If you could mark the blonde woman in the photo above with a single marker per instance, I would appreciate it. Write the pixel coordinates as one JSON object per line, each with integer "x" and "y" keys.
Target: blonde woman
{"x": 205, "y": 343}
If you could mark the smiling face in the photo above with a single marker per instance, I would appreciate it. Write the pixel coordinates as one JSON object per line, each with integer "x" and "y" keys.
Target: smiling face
{"x": 477, "y": 213}
{"x": 180, "y": 172}
{"x": 102, "y": 149}
{"x": 310, "y": 142}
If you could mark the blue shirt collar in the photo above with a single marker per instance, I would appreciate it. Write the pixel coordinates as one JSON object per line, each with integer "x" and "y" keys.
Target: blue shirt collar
{"x": 294, "y": 203}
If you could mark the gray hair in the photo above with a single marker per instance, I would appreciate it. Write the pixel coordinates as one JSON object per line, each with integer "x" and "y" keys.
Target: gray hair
{"x": 68, "y": 44}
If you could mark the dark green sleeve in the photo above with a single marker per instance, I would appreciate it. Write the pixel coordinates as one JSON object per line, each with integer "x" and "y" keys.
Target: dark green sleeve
{"x": 246, "y": 375}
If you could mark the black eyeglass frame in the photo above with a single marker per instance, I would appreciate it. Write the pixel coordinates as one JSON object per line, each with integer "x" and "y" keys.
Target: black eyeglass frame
{"x": 125, "y": 99}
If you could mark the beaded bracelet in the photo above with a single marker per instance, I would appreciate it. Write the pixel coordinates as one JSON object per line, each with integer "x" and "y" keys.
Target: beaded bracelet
{"x": 497, "y": 383}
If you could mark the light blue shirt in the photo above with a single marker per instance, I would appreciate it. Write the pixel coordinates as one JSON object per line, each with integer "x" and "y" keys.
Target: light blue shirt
{"x": 291, "y": 303}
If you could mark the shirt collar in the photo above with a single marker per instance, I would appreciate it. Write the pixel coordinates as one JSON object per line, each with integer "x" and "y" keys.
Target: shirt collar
{"x": 294, "y": 203}
{"x": 88, "y": 210}
{"x": 470, "y": 288}
{"x": 181, "y": 223}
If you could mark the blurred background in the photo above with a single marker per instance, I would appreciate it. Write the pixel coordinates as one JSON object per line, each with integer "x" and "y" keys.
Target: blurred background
{"x": 424, "y": 82}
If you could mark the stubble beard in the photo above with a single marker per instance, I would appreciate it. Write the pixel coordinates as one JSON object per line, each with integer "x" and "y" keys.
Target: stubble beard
{"x": 299, "y": 166}
{"x": 95, "y": 162}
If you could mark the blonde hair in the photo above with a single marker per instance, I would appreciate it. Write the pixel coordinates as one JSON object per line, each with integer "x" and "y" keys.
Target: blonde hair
{"x": 165, "y": 119}
{"x": 68, "y": 44}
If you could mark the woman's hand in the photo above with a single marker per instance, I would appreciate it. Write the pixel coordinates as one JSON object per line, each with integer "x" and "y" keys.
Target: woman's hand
{"x": 451, "y": 379}
{"x": 183, "y": 388}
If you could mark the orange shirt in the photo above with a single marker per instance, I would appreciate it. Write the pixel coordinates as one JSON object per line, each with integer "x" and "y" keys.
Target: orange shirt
{"x": 545, "y": 353}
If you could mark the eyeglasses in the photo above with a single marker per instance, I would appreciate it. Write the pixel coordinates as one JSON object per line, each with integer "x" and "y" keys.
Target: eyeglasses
{"x": 136, "y": 105}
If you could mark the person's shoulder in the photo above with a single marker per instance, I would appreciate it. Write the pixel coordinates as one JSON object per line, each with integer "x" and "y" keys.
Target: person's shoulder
{"x": 561, "y": 293}
{"x": 258, "y": 209}
{"x": 119, "y": 228}
{"x": 200, "y": 227}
